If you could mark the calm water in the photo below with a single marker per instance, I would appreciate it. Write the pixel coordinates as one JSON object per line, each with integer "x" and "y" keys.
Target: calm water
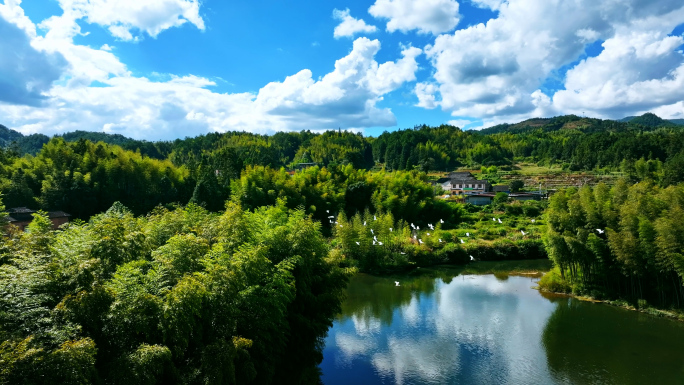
{"x": 442, "y": 328}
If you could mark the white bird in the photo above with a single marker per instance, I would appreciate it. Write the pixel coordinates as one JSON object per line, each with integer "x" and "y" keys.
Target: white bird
{"x": 428, "y": 234}
{"x": 462, "y": 241}
{"x": 402, "y": 253}
{"x": 372, "y": 231}
{"x": 390, "y": 229}
{"x": 380, "y": 243}
{"x": 417, "y": 227}
{"x": 467, "y": 234}
{"x": 331, "y": 221}
{"x": 375, "y": 237}
{"x": 332, "y": 216}
{"x": 533, "y": 221}
{"x": 415, "y": 237}
{"x": 364, "y": 223}
{"x": 421, "y": 241}
{"x": 441, "y": 221}
{"x": 500, "y": 220}
{"x": 413, "y": 226}
{"x": 327, "y": 211}
{"x": 440, "y": 240}
{"x": 471, "y": 258}
{"x": 396, "y": 283}
{"x": 431, "y": 226}
{"x": 335, "y": 222}
{"x": 523, "y": 233}
{"x": 340, "y": 225}
{"x": 600, "y": 231}
{"x": 358, "y": 243}
{"x": 374, "y": 243}
{"x": 375, "y": 218}
{"x": 494, "y": 219}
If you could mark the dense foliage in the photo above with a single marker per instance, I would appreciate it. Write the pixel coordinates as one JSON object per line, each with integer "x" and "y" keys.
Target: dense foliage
{"x": 182, "y": 296}
{"x": 625, "y": 242}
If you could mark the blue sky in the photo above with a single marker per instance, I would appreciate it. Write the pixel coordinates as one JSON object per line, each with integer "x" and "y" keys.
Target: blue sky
{"x": 161, "y": 69}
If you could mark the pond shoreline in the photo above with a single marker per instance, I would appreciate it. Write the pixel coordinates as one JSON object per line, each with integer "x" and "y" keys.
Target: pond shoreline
{"x": 660, "y": 313}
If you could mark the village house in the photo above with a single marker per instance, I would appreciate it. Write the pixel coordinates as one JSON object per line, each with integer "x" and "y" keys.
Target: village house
{"x": 22, "y": 216}
{"x": 463, "y": 183}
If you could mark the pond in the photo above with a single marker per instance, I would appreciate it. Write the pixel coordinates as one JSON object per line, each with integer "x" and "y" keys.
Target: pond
{"x": 442, "y": 327}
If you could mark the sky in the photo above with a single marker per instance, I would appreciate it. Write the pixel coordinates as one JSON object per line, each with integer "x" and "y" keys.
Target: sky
{"x": 166, "y": 69}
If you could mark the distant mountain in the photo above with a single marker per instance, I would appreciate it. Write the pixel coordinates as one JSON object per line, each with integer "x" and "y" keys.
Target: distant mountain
{"x": 32, "y": 144}
{"x": 652, "y": 120}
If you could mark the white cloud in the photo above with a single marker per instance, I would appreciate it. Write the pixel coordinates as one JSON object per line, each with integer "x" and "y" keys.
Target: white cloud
{"x": 124, "y": 17}
{"x": 494, "y": 5}
{"x": 426, "y": 16}
{"x": 26, "y": 73}
{"x": 493, "y": 71}
{"x": 640, "y": 69}
{"x": 349, "y": 25}
{"x": 170, "y": 106}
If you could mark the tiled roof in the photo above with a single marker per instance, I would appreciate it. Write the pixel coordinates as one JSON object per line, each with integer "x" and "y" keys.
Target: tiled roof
{"x": 58, "y": 214}
{"x": 20, "y": 210}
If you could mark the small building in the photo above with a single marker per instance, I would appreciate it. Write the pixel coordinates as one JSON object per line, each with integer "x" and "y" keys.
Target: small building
{"x": 462, "y": 183}
{"x": 501, "y": 188}
{"x": 525, "y": 196}
{"x": 22, "y": 216}
{"x": 480, "y": 199}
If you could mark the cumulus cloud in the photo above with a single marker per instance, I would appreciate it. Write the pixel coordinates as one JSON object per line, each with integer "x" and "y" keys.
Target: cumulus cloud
{"x": 26, "y": 73}
{"x": 168, "y": 106}
{"x": 639, "y": 70}
{"x": 350, "y": 26}
{"x": 494, "y": 71}
{"x": 125, "y": 17}
{"x": 426, "y": 16}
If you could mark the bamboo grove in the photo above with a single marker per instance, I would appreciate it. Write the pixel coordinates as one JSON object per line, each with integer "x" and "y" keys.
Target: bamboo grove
{"x": 174, "y": 297}
{"x": 624, "y": 242}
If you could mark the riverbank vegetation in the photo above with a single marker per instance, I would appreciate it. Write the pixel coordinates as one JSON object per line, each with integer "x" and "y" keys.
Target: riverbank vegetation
{"x": 176, "y": 296}
{"x": 623, "y": 242}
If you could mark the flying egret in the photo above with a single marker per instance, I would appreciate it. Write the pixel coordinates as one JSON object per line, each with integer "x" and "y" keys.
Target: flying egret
{"x": 471, "y": 258}
{"x": 523, "y": 233}
{"x": 396, "y": 283}
{"x": 600, "y": 231}
{"x": 462, "y": 241}
{"x": 332, "y": 216}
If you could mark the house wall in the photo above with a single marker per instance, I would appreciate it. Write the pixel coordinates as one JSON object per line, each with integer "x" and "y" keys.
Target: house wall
{"x": 478, "y": 201}
{"x": 56, "y": 222}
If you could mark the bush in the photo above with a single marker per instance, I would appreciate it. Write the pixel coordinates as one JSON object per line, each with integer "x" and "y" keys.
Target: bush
{"x": 553, "y": 282}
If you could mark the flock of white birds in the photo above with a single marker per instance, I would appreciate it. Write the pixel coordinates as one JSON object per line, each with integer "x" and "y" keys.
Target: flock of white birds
{"x": 377, "y": 242}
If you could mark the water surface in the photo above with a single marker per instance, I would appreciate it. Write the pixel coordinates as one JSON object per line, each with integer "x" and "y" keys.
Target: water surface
{"x": 443, "y": 328}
